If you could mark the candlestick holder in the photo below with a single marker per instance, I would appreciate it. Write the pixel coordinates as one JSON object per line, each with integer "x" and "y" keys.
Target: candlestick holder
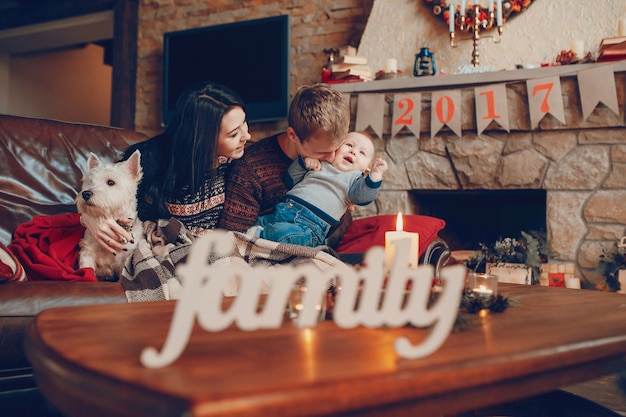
{"x": 475, "y": 20}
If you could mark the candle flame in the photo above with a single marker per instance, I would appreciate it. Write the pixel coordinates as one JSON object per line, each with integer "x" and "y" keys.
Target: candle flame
{"x": 399, "y": 222}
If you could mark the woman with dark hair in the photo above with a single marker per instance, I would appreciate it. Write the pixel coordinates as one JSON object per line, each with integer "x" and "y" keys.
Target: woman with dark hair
{"x": 184, "y": 167}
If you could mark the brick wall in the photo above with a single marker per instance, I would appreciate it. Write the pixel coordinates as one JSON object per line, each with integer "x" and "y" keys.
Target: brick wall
{"x": 315, "y": 25}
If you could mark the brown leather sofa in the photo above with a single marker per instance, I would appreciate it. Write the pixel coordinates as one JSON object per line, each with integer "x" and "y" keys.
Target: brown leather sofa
{"x": 40, "y": 174}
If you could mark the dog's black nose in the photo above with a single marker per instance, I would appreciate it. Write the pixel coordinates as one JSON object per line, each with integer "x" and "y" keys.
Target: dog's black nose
{"x": 87, "y": 195}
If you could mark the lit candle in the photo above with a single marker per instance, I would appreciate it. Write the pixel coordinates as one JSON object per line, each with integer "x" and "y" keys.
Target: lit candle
{"x": 451, "y": 17}
{"x": 462, "y": 7}
{"x": 499, "y": 13}
{"x": 483, "y": 291}
{"x": 391, "y": 65}
{"x": 399, "y": 234}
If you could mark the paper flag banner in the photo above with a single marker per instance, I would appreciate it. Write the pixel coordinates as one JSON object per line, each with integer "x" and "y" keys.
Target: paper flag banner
{"x": 491, "y": 105}
{"x": 597, "y": 85}
{"x": 407, "y": 110}
{"x": 445, "y": 110}
{"x": 370, "y": 112}
{"x": 544, "y": 96}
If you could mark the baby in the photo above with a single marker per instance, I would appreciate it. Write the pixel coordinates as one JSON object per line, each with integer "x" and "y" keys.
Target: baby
{"x": 322, "y": 192}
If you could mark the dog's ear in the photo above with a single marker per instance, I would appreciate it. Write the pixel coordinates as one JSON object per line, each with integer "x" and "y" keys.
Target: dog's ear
{"x": 134, "y": 165}
{"x": 93, "y": 161}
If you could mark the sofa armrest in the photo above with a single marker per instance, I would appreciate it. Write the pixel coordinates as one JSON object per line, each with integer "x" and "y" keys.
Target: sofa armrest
{"x": 27, "y": 299}
{"x": 20, "y": 302}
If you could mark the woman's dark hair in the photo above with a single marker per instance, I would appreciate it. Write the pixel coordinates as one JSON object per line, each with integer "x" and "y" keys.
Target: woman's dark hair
{"x": 187, "y": 149}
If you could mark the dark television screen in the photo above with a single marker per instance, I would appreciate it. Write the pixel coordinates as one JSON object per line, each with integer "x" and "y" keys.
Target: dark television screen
{"x": 251, "y": 57}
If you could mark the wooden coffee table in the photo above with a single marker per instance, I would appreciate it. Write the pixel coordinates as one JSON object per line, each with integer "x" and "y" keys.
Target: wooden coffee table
{"x": 86, "y": 361}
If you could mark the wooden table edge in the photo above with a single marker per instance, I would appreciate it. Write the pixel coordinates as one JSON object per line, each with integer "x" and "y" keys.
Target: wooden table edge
{"x": 73, "y": 395}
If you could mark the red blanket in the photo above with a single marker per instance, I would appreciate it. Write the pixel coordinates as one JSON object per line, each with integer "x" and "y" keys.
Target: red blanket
{"x": 47, "y": 247}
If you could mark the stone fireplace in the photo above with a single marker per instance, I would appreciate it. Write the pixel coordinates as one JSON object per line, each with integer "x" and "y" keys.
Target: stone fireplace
{"x": 579, "y": 166}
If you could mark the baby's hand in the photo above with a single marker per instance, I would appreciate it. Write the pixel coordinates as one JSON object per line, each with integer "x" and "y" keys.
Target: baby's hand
{"x": 378, "y": 168}
{"x": 312, "y": 164}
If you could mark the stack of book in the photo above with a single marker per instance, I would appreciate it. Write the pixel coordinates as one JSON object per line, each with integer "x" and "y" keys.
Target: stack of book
{"x": 352, "y": 68}
{"x": 612, "y": 49}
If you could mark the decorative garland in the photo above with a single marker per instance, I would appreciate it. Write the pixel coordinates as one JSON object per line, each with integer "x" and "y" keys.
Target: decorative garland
{"x": 473, "y": 304}
{"x": 510, "y": 8}
{"x": 473, "y": 307}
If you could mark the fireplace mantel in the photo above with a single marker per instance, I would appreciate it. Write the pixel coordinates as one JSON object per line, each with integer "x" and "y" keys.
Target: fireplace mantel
{"x": 580, "y": 163}
{"x": 440, "y": 82}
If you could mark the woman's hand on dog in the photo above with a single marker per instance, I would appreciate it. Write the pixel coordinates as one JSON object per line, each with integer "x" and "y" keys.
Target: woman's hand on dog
{"x": 108, "y": 232}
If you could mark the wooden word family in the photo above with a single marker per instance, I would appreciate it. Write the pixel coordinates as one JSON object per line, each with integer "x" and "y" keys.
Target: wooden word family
{"x": 202, "y": 297}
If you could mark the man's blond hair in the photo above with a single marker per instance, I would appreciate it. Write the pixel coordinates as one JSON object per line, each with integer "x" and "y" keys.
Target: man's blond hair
{"x": 319, "y": 110}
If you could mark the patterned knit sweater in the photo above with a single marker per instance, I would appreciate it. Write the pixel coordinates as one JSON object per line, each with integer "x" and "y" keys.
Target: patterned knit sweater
{"x": 199, "y": 211}
{"x": 255, "y": 183}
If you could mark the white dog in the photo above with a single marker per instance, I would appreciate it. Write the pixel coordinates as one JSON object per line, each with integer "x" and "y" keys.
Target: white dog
{"x": 109, "y": 191}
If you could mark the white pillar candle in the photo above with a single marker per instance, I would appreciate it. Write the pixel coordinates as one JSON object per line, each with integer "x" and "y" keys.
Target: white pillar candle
{"x": 462, "y": 7}
{"x": 499, "y": 13}
{"x": 578, "y": 48}
{"x": 621, "y": 27}
{"x": 490, "y": 6}
{"x": 391, "y": 65}
{"x": 390, "y": 248}
{"x": 451, "y": 18}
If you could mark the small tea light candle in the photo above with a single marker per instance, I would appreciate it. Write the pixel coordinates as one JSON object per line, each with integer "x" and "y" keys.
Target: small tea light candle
{"x": 483, "y": 291}
{"x": 399, "y": 234}
{"x": 483, "y": 285}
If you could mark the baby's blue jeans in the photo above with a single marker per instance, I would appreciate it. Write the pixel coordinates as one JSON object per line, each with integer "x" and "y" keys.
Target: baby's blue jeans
{"x": 291, "y": 222}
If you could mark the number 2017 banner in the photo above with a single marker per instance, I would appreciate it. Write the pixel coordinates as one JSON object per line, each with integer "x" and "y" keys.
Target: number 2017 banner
{"x": 544, "y": 97}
